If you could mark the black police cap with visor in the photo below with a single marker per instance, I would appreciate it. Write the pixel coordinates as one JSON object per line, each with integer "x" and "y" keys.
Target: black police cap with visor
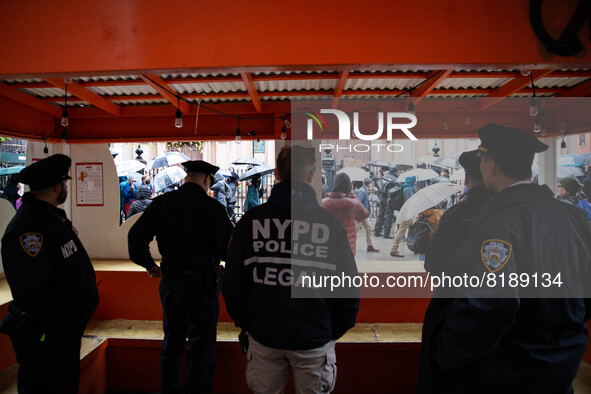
{"x": 202, "y": 167}
{"x": 471, "y": 163}
{"x": 46, "y": 172}
{"x": 507, "y": 141}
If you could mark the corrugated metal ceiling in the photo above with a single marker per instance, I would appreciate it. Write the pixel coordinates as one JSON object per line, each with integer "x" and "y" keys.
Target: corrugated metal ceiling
{"x": 127, "y": 90}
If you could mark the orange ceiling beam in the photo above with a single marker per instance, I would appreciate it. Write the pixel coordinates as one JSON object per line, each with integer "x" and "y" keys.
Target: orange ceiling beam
{"x": 29, "y": 101}
{"x": 429, "y": 85}
{"x": 513, "y": 86}
{"x": 86, "y": 95}
{"x": 98, "y": 36}
{"x": 338, "y": 91}
{"x": 252, "y": 90}
{"x": 166, "y": 91}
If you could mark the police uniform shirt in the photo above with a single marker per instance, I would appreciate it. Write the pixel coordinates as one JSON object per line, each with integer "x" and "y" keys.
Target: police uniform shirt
{"x": 524, "y": 341}
{"x": 47, "y": 268}
{"x": 189, "y": 226}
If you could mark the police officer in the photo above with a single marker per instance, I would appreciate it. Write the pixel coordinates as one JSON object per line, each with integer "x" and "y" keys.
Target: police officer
{"x": 389, "y": 217}
{"x": 449, "y": 234}
{"x": 192, "y": 231}
{"x": 52, "y": 282}
{"x": 273, "y": 247}
{"x": 519, "y": 336}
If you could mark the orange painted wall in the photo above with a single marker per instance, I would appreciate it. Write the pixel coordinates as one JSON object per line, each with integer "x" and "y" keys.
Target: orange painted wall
{"x": 64, "y": 36}
{"x": 134, "y": 296}
{"x": 7, "y": 357}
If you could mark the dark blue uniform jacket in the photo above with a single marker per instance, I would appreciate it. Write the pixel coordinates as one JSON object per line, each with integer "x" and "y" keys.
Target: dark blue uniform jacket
{"x": 48, "y": 270}
{"x": 261, "y": 269}
{"x": 532, "y": 338}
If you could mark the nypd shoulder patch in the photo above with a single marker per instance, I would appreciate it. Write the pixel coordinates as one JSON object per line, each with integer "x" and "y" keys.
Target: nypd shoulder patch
{"x": 495, "y": 254}
{"x": 32, "y": 243}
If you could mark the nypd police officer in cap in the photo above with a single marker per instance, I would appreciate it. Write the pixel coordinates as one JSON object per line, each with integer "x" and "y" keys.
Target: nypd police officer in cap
{"x": 52, "y": 282}
{"x": 192, "y": 231}
{"x": 515, "y": 336}
{"x": 449, "y": 234}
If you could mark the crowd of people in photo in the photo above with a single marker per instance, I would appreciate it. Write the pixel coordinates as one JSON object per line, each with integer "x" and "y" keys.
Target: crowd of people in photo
{"x": 386, "y": 195}
{"x": 136, "y": 198}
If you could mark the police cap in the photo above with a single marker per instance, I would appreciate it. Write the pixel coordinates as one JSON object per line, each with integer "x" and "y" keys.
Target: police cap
{"x": 471, "y": 163}
{"x": 502, "y": 140}
{"x": 202, "y": 167}
{"x": 46, "y": 172}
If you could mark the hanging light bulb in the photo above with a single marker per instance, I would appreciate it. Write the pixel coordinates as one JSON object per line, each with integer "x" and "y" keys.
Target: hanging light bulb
{"x": 238, "y": 138}
{"x": 286, "y": 122}
{"x": 283, "y": 132}
{"x": 65, "y": 119}
{"x": 533, "y": 107}
{"x": 411, "y": 106}
{"x": 525, "y": 72}
{"x": 563, "y": 126}
{"x": 468, "y": 119}
{"x": 45, "y": 150}
{"x": 444, "y": 123}
{"x": 178, "y": 119}
{"x": 537, "y": 126}
{"x": 544, "y": 132}
{"x": 563, "y": 144}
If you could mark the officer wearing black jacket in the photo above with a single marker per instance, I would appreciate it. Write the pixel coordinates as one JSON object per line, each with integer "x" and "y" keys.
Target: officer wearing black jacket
{"x": 527, "y": 335}
{"x": 52, "y": 282}
{"x": 274, "y": 247}
{"x": 451, "y": 230}
{"x": 192, "y": 231}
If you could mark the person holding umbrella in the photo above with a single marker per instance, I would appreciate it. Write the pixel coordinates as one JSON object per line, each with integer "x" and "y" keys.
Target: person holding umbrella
{"x": 232, "y": 182}
{"x": 192, "y": 230}
{"x": 253, "y": 193}
{"x": 406, "y": 192}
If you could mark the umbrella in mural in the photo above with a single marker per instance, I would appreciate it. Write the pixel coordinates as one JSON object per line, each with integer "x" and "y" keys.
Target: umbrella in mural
{"x": 378, "y": 163}
{"x": 248, "y": 161}
{"x": 129, "y": 166}
{"x": 420, "y": 173}
{"x": 562, "y": 171}
{"x": 258, "y": 170}
{"x": 224, "y": 172}
{"x": 458, "y": 175}
{"x": 571, "y": 160}
{"x": 427, "y": 198}
{"x": 168, "y": 177}
{"x": 355, "y": 173}
{"x": 167, "y": 159}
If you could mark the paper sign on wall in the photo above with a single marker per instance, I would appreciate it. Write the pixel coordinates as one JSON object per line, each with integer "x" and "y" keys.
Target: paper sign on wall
{"x": 89, "y": 184}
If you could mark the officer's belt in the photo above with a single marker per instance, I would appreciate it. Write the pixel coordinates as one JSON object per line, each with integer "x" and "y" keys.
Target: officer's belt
{"x": 200, "y": 270}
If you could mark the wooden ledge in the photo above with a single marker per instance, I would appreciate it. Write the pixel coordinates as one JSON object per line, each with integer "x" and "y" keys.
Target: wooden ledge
{"x": 5, "y": 294}
{"x": 227, "y": 332}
